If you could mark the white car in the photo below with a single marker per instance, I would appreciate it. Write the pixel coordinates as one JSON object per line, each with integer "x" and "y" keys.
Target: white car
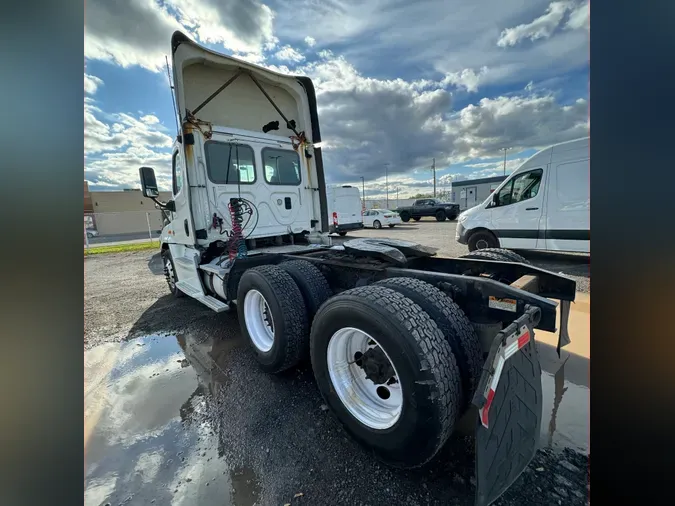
{"x": 377, "y": 218}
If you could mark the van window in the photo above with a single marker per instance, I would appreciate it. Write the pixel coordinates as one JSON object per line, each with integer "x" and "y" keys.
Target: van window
{"x": 282, "y": 166}
{"x": 572, "y": 182}
{"x": 177, "y": 172}
{"x": 524, "y": 186}
{"x": 227, "y": 161}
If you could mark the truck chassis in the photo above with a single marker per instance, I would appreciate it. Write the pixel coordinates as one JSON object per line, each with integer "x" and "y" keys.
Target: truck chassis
{"x": 404, "y": 345}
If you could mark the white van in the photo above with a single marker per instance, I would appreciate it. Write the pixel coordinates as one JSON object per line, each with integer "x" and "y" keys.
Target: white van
{"x": 543, "y": 205}
{"x": 344, "y": 209}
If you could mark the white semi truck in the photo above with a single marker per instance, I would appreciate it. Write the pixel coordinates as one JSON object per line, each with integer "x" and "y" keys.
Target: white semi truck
{"x": 404, "y": 345}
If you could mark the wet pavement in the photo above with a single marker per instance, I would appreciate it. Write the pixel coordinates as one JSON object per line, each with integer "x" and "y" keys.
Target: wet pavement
{"x": 188, "y": 418}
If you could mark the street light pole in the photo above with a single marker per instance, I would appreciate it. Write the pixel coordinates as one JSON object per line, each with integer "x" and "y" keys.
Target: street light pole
{"x": 504, "y": 149}
{"x": 363, "y": 191}
{"x": 386, "y": 182}
{"x": 433, "y": 168}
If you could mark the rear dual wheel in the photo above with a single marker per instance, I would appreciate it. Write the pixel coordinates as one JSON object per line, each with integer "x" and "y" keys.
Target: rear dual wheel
{"x": 388, "y": 360}
{"x": 387, "y": 372}
{"x": 275, "y": 305}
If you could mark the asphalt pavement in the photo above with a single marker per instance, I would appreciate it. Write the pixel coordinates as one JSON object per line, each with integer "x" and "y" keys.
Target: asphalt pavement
{"x": 177, "y": 412}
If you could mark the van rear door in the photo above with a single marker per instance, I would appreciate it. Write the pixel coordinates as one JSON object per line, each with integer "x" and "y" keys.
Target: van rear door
{"x": 347, "y": 205}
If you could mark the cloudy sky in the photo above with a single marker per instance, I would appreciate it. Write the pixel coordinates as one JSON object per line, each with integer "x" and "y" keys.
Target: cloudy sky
{"x": 397, "y": 82}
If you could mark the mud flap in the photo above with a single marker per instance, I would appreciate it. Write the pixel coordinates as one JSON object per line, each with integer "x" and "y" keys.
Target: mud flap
{"x": 509, "y": 401}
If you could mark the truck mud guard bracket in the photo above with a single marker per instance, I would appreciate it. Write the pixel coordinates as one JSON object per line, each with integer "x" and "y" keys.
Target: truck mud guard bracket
{"x": 487, "y": 297}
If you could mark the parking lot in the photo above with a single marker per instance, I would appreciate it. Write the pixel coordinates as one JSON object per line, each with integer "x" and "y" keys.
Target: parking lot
{"x": 177, "y": 411}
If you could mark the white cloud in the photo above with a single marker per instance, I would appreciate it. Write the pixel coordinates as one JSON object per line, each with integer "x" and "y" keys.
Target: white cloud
{"x": 287, "y": 53}
{"x": 244, "y": 26}
{"x": 310, "y": 41}
{"x": 91, "y": 84}
{"x": 580, "y": 18}
{"x": 367, "y": 122}
{"x": 467, "y": 79}
{"x": 544, "y": 26}
{"x": 116, "y": 145}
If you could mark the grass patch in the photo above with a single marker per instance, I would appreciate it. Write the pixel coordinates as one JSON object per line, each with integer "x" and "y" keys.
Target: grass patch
{"x": 121, "y": 248}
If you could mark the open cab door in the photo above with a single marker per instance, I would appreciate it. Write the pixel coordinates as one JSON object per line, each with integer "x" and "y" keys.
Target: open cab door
{"x": 247, "y": 133}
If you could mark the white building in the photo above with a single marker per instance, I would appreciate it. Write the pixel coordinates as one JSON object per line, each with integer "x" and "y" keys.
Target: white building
{"x": 472, "y": 192}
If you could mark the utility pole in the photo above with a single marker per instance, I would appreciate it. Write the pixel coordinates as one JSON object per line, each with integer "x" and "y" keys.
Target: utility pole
{"x": 504, "y": 150}
{"x": 397, "y": 196}
{"x": 363, "y": 191}
{"x": 433, "y": 168}
{"x": 386, "y": 182}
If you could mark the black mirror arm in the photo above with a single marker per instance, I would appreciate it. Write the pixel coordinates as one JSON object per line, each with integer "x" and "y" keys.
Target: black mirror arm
{"x": 168, "y": 206}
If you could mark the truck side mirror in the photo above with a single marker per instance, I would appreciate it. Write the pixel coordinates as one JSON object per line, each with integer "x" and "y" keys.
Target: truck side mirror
{"x": 149, "y": 182}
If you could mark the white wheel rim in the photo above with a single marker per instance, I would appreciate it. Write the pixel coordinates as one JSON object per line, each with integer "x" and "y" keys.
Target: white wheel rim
{"x": 258, "y": 319}
{"x": 377, "y": 406}
{"x": 481, "y": 244}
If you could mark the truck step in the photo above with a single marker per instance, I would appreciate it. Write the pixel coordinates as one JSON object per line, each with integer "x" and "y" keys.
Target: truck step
{"x": 215, "y": 304}
{"x": 186, "y": 262}
{"x": 214, "y": 269}
{"x": 189, "y": 289}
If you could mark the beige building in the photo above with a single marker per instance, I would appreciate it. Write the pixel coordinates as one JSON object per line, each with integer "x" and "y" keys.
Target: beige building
{"x": 122, "y": 212}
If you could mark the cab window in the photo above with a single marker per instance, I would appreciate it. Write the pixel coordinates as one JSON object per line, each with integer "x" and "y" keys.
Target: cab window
{"x": 177, "y": 172}
{"x": 282, "y": 166}
{"x": 230, "y": 163}
{"x": 524, "y": 186}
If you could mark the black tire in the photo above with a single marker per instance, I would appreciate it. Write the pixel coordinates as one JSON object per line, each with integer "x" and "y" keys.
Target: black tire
{"x": 288, "y": 312}
{"x": 426, "y": 367}
{"x": 507, "y": 255}
{"x": 477, "y": 239}
{"x": 312, "y": 283}
{"x": 454, "y": 324}
{"x": 440, "y": 216}
{"x": 342, "y": 234}
{"x": 405, "y": 217}
{"x": 452, "y": 217}
{"x": 417, "y": 218}
{"x": 377, "y": 224}
{"x": 166, "y": 257}
{"x": 502, "y": 277}
{"x": 90, "y": 235}
{"x": 392, "y": 226}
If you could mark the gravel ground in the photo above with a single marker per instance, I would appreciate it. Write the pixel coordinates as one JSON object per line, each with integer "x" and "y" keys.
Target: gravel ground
{"x": 222, "y": 432}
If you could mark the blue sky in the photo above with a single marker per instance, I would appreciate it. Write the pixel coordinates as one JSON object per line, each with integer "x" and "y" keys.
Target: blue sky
{"x": 463, "y": 80}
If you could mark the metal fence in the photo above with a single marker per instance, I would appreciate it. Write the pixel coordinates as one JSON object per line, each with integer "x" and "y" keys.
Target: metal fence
{"x": 121, "y": 227}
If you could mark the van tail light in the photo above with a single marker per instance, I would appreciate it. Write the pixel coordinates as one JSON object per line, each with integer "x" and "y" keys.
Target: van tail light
{"x": 335, "y": 220}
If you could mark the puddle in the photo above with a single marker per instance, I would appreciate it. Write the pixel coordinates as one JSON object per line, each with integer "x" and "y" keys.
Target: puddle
{"x": 190, "y": 419}
{"x": 149, "y": 437}
{"x": 566, "y": 407}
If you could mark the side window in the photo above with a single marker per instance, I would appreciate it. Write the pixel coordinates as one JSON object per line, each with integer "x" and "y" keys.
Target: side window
{"x": 177, "y": 172}
{"x": 522, "y": 187}
{"x": 504, "y": 195}
{"x": 230, "y": 163}
{"x": 281, "y": 166}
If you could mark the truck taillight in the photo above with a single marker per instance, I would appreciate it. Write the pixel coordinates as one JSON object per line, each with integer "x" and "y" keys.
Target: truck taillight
{"x": 335, "y": 220}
